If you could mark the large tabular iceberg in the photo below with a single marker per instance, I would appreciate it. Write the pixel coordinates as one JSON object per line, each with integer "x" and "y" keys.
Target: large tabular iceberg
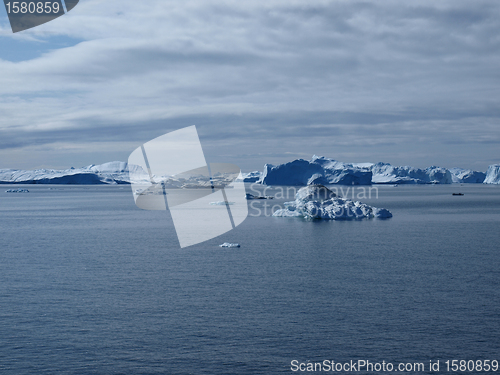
{"x": 467, "y": 176}
{"x": 108, "y": 173}
{"x": 384, "y": 173}
{"x": 113, "y": 173}
{"x": 319, "y": 170}
{"x": 319, "y": 202}
{"x": 324, "y": 171}
{"x": 493, "y": 174}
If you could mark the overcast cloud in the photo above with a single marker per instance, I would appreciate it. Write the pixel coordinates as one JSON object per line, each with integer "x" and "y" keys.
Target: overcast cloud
{"x": 410, "y": 83}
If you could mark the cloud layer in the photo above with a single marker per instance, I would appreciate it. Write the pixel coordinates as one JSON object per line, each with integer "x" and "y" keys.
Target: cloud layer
{"x": 264, "y": 81}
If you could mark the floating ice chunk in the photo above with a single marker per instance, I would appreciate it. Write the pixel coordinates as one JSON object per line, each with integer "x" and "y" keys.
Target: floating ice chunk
{"x": 17, "y": 191}
{"x": 251, "y": 196}
{"x": 381, "y": 213}
{"x": 251, "y": 177}
{"x": 287, "y": 212}
{"x": 319, "y": 202}
{"x": 229, "y": 244}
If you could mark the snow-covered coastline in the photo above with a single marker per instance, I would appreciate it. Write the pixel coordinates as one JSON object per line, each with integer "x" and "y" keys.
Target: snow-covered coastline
{"x": 108, "y": 173}
{"x": 318, "y": 170}
{"x": 300, "y": 172}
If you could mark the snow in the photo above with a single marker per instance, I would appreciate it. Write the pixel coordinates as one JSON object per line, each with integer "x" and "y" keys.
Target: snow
{"x": 319, "y": 202}
{"x": 108, "y": 173}
{"x": 325, "y": 171}
{"x": 319, "y": 170}
{"x": 252, "y": 176}
{"x": 493, "y": 174}
{"x": 460, "y": 175}
{"x": 229, "y": 244}
{"x": 384, "y": 173}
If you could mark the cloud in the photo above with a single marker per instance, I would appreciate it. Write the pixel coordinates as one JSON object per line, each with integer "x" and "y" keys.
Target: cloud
{"x": 286, "y": 74}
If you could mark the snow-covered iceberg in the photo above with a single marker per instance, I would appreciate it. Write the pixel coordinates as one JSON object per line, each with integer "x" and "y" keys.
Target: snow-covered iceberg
{"x": 229, "y": 244}
{"x": 49, "y": 176}
{"x": 319, "y": 202}
{"x": 325, "y": 171}
{"x": 252, "y": 176}
{"x": 111, "y": 173}
{"x": 467, "y": 176}
{"x": 108, "y": 173}
{"x": 17, "y": 191}
{"x": 384, "y": 173}
{"x": 319, "y": 170}
{"x": 493, "y": 174}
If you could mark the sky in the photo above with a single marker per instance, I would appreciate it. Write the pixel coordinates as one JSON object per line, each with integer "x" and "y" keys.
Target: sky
{"x": 408, "y": 83}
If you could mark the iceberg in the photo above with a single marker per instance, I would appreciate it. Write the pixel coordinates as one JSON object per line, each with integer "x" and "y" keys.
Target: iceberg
{"x": 229, "y": 244}
{"x": 43, "y": 176}
{"x": 300, "y": 172}
{"x": 251, "y": 196}
{"x": 319, "y": 170}
{"x": 252, "y": 176}
{"x": 319, "y": 202}
{"x": 112, "y": 173}
{"x": 493, "y": 174}
{"x": 384, "y": 173}
{"x": 467, "y": 176}
{"x": 325, "y": 171}
{"x": 108, "y": 173}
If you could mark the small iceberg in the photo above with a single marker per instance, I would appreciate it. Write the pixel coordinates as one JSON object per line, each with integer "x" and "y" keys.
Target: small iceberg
{"x": 229, "y": 244}
{"x": 251, "y": 177}
{"x": 251, "y": 196}
{"x": 319, "y": 202}
{"x": 220, "y": 203}
{"x": 17, "y": 191}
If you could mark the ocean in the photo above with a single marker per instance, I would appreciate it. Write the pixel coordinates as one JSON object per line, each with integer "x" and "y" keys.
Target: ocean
{"x": 90, "y": 284}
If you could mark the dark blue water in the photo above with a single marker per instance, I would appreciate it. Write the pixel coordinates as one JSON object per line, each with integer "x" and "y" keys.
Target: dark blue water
{"x": 89, "y": 284}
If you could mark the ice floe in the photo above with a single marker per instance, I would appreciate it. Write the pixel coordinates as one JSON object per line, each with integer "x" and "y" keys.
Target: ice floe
{"x": 319, "y": 202}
